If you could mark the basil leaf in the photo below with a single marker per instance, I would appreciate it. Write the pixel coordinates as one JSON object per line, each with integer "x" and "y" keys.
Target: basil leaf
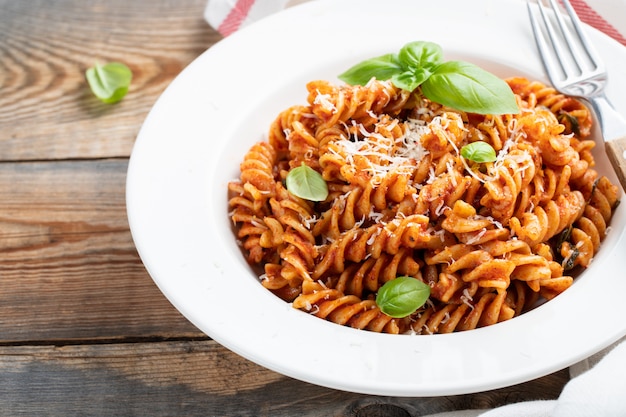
{"x": 407, "y": 70}
{"x": 456, "y": 84}
{"x": 402, "y": 296}
{"x": 570, "y": 122}
{"x": 382, "y": 68}
{"x": 478, "y": 152}
{"x": 571, "y": 261}
{"x": 307, "y": 183}
{"x": 467, "y": 87}
{"x": 563, "y": 237}
{"x": 419, "y": 54}
{"x": 410, "y": 80}
{"x": 109, "y": 82}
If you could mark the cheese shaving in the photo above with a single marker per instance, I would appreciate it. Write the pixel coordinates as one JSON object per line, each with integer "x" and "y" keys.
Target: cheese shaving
{"x": 324, "y": 100}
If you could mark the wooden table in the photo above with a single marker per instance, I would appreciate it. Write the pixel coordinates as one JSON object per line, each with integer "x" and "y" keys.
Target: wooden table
{"x": 83, "y": 329}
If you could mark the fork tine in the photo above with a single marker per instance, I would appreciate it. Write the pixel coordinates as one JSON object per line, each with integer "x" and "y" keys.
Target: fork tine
{"x": 547, "y": 53}
{"x": 564, "y": 55}
{"x": 589, "y": 48}
{"x": 558, "y": 36}
{"x": 566, "y": 34}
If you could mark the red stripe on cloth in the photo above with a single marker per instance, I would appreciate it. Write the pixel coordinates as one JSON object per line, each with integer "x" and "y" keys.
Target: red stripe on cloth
{"x": 592, "y": 18}
{"x": 236, "y": 15}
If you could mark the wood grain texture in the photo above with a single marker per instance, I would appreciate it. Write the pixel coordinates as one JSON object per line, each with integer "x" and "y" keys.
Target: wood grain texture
{"x": 199, "y": 378}
{"x": 616, "y": 151}
{"x": 70, "y": 277}
{"x": 68, "y": 266}
{"x": 46, "y": 108}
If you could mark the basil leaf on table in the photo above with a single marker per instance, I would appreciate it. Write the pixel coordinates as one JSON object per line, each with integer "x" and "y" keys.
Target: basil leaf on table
{"x": 109, "y": 82}
{"x": 306, "y": 183}
{"x": 402, "y": 296}
{"x": 479, "y": 152}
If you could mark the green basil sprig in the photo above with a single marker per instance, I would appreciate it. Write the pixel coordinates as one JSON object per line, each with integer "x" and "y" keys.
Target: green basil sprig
{"x": 109, "y": 82}
{"x": 402, "y": 296}
{"x": 456, "y": 84}
{"x": 306, "y": 183}
{"x": 479, "y": 152}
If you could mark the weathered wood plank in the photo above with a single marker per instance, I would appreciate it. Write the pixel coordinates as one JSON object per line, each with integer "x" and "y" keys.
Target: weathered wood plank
{"x": 46, "y": 108}
{"x": 198, "y": 378}
{"x": 68, "y": 265}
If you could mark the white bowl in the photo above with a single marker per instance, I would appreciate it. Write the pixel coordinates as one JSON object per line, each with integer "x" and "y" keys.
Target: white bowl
{"x": 199, "y": 130}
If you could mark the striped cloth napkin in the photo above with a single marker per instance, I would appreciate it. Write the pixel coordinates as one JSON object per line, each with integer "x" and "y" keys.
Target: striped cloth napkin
{"x": 227, "y": 16}
{"x": 598, "y": 383}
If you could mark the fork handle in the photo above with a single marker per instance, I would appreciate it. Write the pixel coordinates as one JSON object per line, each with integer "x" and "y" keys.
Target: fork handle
{"x": 616, "y": 151}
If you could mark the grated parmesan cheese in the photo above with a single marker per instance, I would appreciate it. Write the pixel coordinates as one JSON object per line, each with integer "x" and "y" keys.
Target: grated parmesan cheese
{"x": 324, "y": 101}
{"x": 488, "y": 218}
{"x": 441, "y": 208}
{"x": 374, "y": 215}
{"x": 257, "y": 223}
{"x": 476, "y": 237}
{"x": 466, "y": 298}
{"x": 446, "y": 318}
{"x": 309, "y": 221}
{"x": 383, "y": 155}
{"x": 373, "y": 237}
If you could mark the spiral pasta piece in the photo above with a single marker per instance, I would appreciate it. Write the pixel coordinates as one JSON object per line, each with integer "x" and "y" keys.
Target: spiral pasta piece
{"x": 491, "y": 239}
{"x": 348, "y": 310}
{"x": 572, "y": 113}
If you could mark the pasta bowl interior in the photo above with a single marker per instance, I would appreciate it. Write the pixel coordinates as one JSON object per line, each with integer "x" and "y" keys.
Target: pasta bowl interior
{"x": 193, "y": 141}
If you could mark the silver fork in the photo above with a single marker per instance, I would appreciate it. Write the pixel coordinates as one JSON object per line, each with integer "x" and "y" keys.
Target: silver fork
{"x": 575, "y": 69}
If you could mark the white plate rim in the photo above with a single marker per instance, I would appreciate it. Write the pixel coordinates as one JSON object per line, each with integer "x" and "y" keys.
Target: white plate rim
{"x": 173, "y": 181}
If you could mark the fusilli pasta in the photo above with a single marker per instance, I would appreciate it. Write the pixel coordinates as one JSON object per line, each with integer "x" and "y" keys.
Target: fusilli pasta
{"x": 491, "y": 239}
